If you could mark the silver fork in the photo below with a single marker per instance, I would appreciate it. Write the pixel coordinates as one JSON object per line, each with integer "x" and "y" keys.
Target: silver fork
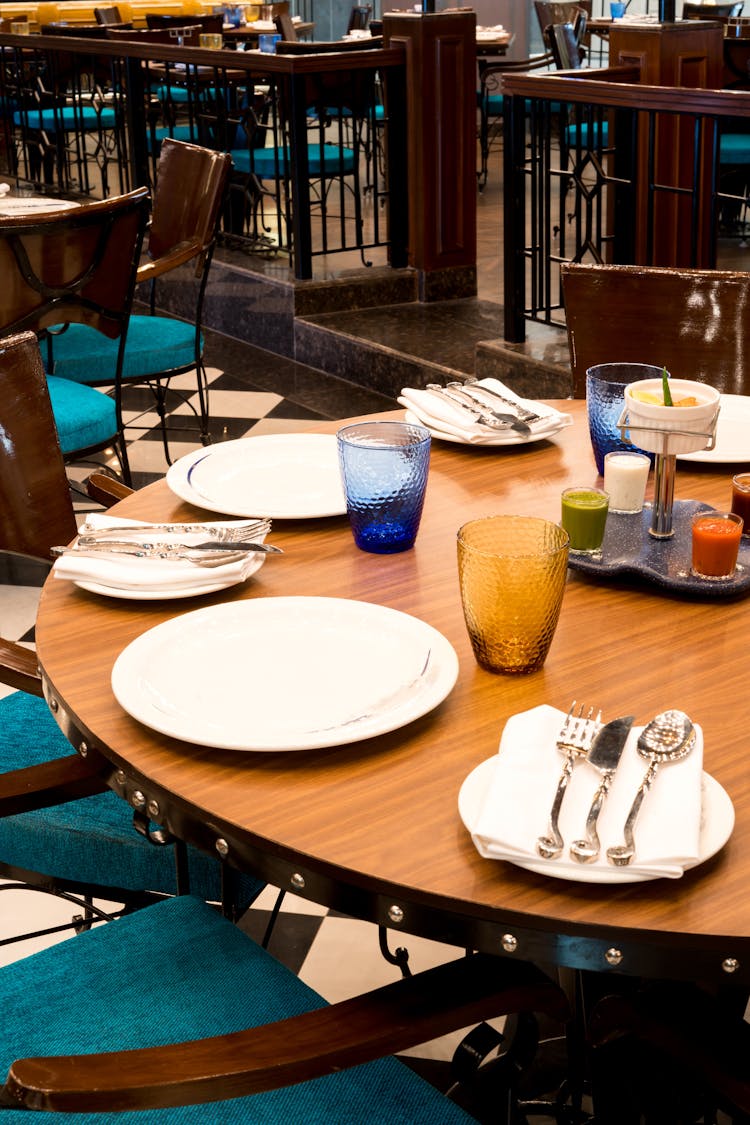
{"x": 574, "y": 740}
{"x": 238, "y": 533}
{"x": 523, "y": 412}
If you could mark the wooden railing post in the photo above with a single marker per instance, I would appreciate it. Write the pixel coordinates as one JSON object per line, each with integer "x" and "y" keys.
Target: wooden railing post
{"x": 442, "y": 118}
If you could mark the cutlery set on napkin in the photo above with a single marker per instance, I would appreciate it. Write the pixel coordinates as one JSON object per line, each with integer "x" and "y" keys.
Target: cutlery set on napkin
{"x": 130, "y": 557}
{"x": 612, "y": 792}
{"x": 481, "y": 412}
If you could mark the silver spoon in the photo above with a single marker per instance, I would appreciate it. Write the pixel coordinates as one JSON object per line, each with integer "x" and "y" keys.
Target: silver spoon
{"x": 669, "y": 737}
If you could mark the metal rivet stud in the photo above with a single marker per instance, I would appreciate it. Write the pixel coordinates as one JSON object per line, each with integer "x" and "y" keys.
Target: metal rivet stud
{"x": 137, "y": 799}
{"x": 54, "y": 706}
{"x": 509, "y": 943}
{"x": 152, "y": 808}
{"x": 613, "y": 956}
{"x": 83, "y": 749}
{"x": 121, "y": 777}
{"x": 222, "y": 846}
{"x": 396, "y": 914}
{"x": 298, "y": 881}
{"x": 730, "y": 964}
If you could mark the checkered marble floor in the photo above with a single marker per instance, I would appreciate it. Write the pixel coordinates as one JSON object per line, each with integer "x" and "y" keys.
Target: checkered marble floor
{"x": 250, "y": 392}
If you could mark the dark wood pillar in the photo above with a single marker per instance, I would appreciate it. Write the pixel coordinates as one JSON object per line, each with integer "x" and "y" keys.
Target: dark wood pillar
{"x": 687, "y": 53}
{"x": 441, "y": 115}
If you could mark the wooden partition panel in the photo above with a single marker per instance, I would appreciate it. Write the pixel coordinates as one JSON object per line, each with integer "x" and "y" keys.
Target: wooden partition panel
{"x": 441, "y": 111}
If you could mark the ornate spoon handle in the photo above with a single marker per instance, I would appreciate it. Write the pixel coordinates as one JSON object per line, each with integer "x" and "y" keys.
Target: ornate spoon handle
{"x": 621, "y": 855}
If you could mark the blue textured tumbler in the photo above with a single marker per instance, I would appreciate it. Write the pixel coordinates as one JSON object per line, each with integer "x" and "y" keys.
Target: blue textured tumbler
{"x": 384, "y": 468}
{"x": 605, "y": 400}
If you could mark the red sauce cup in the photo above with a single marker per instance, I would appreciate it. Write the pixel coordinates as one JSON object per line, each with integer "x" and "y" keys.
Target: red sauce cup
{"x": 716, "y": 543}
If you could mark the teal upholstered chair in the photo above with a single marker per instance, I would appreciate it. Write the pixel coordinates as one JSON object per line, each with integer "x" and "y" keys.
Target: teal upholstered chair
{"x": 88, "y": 846}
{"x": 191, "y": 187}
{"x": 177, "y": 971}
{"x": 76, "y": 267}
{"x": 491, "y": 101}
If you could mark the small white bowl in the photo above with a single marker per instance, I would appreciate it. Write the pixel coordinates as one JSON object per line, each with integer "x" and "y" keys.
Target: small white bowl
{"x": 698, "y": 421}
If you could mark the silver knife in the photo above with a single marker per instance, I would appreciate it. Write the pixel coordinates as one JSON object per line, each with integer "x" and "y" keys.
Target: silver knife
{"x": 485, "y": 416}
{"x": 151, "y": 548}
{"x": 604, "y": 756}
{"x": 198, "y": 552}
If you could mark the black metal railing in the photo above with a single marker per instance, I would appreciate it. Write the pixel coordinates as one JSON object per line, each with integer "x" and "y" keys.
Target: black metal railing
{"x": 605, "y": 170}
{"x": 315, "y": 140}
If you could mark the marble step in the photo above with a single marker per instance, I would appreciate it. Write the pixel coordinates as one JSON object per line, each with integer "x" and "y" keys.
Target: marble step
{"x": 396, "y": 346}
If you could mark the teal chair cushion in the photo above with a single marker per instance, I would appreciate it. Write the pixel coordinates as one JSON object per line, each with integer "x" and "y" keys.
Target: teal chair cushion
{"x": 182, "y": 94}
{"x": 734, "y": 148}
{"x": 267, "y": 163}
{"x": 179, "y": 971}
{"x": 595, "y": 135}
{"x": 155, "y": 344}
{"x": 67, "y": 117}
{"x": 85, "y": 418}
{"x": 92, "y": 840}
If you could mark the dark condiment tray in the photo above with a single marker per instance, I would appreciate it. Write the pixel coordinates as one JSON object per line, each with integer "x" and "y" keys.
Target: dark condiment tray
{"x": 629, "y": 550}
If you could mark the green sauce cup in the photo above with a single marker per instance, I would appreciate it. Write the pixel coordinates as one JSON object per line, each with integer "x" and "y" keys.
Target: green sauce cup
{"x": 584, "y": 516}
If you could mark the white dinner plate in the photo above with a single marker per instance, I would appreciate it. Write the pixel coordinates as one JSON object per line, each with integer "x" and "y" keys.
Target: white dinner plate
{"x": 732, "y": 433}
{"x": 32, "y": 204}
{"x": 717, "y": 824}
{"x": 285, "y": 476}
{"x": 287, "y": 673}
{"x": 506, "y": 438}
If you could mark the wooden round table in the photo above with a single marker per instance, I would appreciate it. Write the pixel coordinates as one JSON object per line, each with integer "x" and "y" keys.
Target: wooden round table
{"x": 372, "y": 828}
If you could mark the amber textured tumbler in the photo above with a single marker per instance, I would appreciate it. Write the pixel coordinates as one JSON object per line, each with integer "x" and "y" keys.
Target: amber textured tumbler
{"x": 512, "y": 572}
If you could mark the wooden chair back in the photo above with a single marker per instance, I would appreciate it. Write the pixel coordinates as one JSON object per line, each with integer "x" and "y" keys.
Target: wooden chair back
{"x": 35, "y": 506}
{"x": 209, "y": 25}
{"x": 189, "y": 34}
{"x": 696, "y": 323}
{"x": 191, "y": 187}
{"x": 359, "y": 17}
{"x": 563, "y": 41}
{"x": 696, "y": 11}
{"x": 284, "y": 24}
{"x": 108, "y": 15}
{"x": 77, "y": 265}
{"x": 322, "y": 47}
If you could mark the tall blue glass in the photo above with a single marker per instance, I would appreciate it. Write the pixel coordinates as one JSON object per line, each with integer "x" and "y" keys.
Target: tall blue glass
{"x": 384, "y": 467}
{"x": 605, "y": 399}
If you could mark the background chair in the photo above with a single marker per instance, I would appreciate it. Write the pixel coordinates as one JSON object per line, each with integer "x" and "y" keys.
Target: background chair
{"x": 285, "y": 26}
{"x": 110, "y": 16}
{"x": 210, "y": 25}
{"x": 87, "y": 847}
{"x": 359, "y": 18}
{"x": 76, "y": 266}
{"x": 191, "y": 188}
{"x": 694, "y": 322}
{"x": 491, "y": 101}
{"x": 577, "y": 12}
{"x": 695, "y": 11}
{"x": 191, "y": 974}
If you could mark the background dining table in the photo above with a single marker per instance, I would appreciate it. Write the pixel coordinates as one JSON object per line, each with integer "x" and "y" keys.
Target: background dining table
{"x": 372, "y": 828}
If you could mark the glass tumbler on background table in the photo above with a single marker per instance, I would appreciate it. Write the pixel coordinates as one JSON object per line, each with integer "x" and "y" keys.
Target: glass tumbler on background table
{"x": 605, "y": 398}
{"x": 384, "y": 467}
{"x": 512, "y": 572}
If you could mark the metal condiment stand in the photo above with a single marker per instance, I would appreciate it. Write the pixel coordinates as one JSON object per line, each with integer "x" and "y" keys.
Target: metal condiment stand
{"x": 665, "y": 467}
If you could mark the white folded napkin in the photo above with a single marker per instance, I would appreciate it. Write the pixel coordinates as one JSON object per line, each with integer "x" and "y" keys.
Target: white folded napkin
{"x": 443, "y": 416}
{"x": 516, "y": 806}
{"x": 153, "y": 575}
